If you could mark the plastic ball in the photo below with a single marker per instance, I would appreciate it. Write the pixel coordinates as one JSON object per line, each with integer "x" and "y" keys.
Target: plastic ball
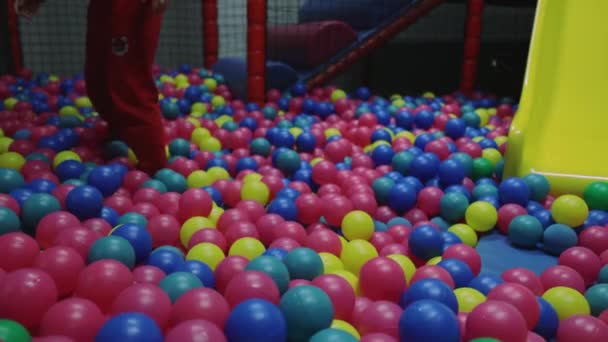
{"x": 84, "y": 201}
{"x": 130, "y": 326}
{"x": 582, "y": 328}
{"x": 274, "y": 268}
{"x": 468, "y": 298}
{"x": 200, "y": 303}
{"x": 525, "y": 277}
{"x": 9, "y": 221}
{"x": 333, "y": 334}
{"x": 356, "y": 253}
{"x": 303, "y": 263}
{"x": 138, "y": 237}
{"x": 13, "y": 331}
{"x": 147, "y": 274}
{"x": 539, "y": 186}
{"x": 380, "y": 317}
{"x": 357, "y": 224}
{"x": 514, "y": 190}
{"x": 425, "y": 242}
{"x": 481, "y": 216}
{"x": 584, "y": 261}
{"x": 112, "y": 247}
{"x": 199, "y": 269}
{"x": 521, "y": 298}
{"x": 195, "y": 202}
{"x": 430, "y": 289}
{"x": 257, "y": 320}
{"x": 525, "y": 231}
{"x": 560, "y": 275}
{"x": 75, "y": 318}
{"x": 63, "y": 264}
{"x": 567, "y": 302}
{"x": 498, "y": 320}
{"x": 453, "y": 206}
{"x": 251, "y": 284}
{"x": 596, "y": 195}
{"x": 315, "y": 303}
{"x": 36, "y": 207}
{"x": 195, "y": 330}
{"x": 178, "y": 283}
{"x": 166, "y": 259}
{"x": 595, "y": 238}
{"x": 459, "y": 271}
{"x": 570, "y": 210}
{"x": 247, "y": 247}
{"x": 432, "y": 271}
{"x": 558, "y": 238}
{"x": 102, "y": 281}
{"x": 426, "y": 320}
{"x": 382, "y": 278}
{"x": 548, "y": 321}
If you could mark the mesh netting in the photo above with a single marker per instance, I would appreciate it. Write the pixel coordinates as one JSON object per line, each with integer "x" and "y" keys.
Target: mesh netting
{"x": 232, "y": 26}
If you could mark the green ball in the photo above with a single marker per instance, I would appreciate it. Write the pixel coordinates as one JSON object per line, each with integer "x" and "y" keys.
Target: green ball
{"x": 539, "y": 186}
{"x": 178, "y": 283}
{"x": 37, "y": 156}
{"x": 465, "y": 160}
{"x": 597, "y": 296}
{"x": 482, "y": 168}
{"x": 286, "y": 124}
{"x": 36, "y": 207}
{"x": 9, "y": 221}
{"x": 401, "y": 162}
{"x": 471, "y": 119}
{"x": 288, "y": 161}
{"x": 307, "y": 310}
{"x": 10, "y": 180}
{"x": 112, "y": 247}
{"x": 453, "y": 206}
{"x": 155, "y": 184}
{"x": 382, "y": 187}
{"x": 525, "y": 231}
{"x": 11, "y": 331}
{"x": 557, "y": 238}
{"x": 269, "y": 113}
{"x": 174, "y": 182}
{"x": 179, "y": 148}
{"x": 134, "y": 218}
{"x": 230, "y": 126}
{"x": 303, "y": 263}
{"x": 274, "y": 268}
{"x": 482, "y": 190}
{"x": 484, "y": 339}
{"x": 596, "y": 195}
{"x": 333, "y": 335}
{"x": 75, "y": 182}
{"x": 602, "y": 278}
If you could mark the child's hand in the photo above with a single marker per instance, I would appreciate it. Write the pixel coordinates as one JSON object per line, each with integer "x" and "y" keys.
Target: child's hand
{"x": 157, "y": 5}
{"x": 27, "y": 8}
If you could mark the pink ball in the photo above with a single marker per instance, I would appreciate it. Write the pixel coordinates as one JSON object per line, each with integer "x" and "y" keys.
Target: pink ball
{"x": 168, "y": 203}
{"x": 209, "y": 235}
{"x": 148, "y": 210}
{"x": 227, "y": 269}
{"x": 76, "y": 318}
{"x": 429, "y": 199}
{"x": 200, "y": 303}
{"x": 61, "y": 192}
{"x": 231, "y": 216}
{"x": 603, "y": 316}
{"x": 400, "y": 232}
{"x": 266, "y": 226}
{"x": 340, "y": 293}
{"x": 361, "y": 304}
{"x": 285, "y": 243}
{"x": 54, "y": 338}
{"x": 251, "y": 284}
{"x": 507, "y": 213}
{"x": 26, "y": 294}
{"x": 149, "y": 195}
{"x": 382, "y": 278}
{"x": 462, "y": 322}
{"x": 324, "y": 172}
{"x": 134, "y": 179}
{"x": 79, "y": 238}
{"x": 195, "y": 331}
{"x": 195, "y": 202}
{"x": 253, "y": 209}
{"x": 381, "y": 239}
{"x": 10, "y": 202}
{"x": 525, "y": 277}
{"x": 102, "y": 281}
{"x": 148, "y": 299}
{"x": 63, "y": 264}
{"x": 324, "y": 240}
{"x": 595, "y": 238}
{"x": 121, "y": 204}
{"x": 416, "y": 215}
{"x": 335, "y": 209}
{"x": 365, "y": 202}
{"x": 498, "y": 320}
{"x": 309, "y": 208}
{"x": 534, "y": 337}
{"x": 434, "y": 272}
{"x": 394, "y": 248}
{"x": 164, "y": 230}
{"x": 584, "y": 261}
{"x": 299, "y": 282}
{"x": 378, "y": 337}
{"x": 562, "y": 276}
{"x": 582, "y": 328}
{"x": 292, "y": 230}
{"x": 17, "y": 250}
{"x": 521, "y": 298}
{"x": 466, "y": 254}
{"x": 237, "y": 230}
{"x": 147, "y": 274}
{"x": 381, "y": 317}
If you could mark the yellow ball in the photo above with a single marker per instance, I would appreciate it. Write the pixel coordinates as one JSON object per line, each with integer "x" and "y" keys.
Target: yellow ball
{"x": 256, "y": 191}
{"x": 198, "y": 109}
{"x": 181, "y": 78}
{"x": 331, "y": 132}
{"x": 199, "y": 134}
{"x": 342, "y": 325}
{"x": 83, "y": 102}
{"x": 406, "y": 264}
{"x": 247, "y": 247}
{"x": 428, "y": 94}
{"x": 166, "y": 79}
{"x": 409, "y": 135}
{"x": 63, "y": 156}
{"x": 501, "y": 140}
{"x": 337, "y": 95}
{"x": 1, "y": 132}
{"x": 11, "y": 160}
{"x": 217, "y": 173}
{"x": 210, "y": 83}
{"x": 252, "y": 177}
{"x": 468, "y": 298}
{"x": 434, "y": 260}
{"x": 198, "y": 179}
{"x": 570, "y": 210}
{"x": 216, "y": 213}
{"x": 10, "y": 102}
{"x": 207, "y": 253}
{"x": 191, "y": 226}
{"x": 492, "y": 154}
{"x": 131, "y": 156}
{"x": 398, "y": 103}
{"x": 331, "y": 263}
{"x": 5, "y": 143}
{"x": 481, "y": 216}
{"x": 466, "y": 234}
{"x": 68, "y": 110}
{"x": 352, "y": 279}
{"x": 566, "y": 302}
{"x": 210, "y": 144}
{"x": 54, "y": 78}
{"x": 357, "y": 224}
{"x": 356, "y": 253}
{"x": 223, "y": 119}
{"x": 314, "y": 161}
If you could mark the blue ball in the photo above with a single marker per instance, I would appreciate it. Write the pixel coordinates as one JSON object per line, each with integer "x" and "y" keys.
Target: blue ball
{"x": 84, "y": 202}
{"x": 455, "y": 128}
{"x": 405, "y": 119}
{"x": 424, "y": 167}
{"x": 273, "y": 267}
{"x": 139, "y": 238}
{"x": 425, "y": 242}
{"x": 544, "y": 217}
{"x": 105, "y": 180}
{"x": 525, "y": 231}
{"x": 363, "y": 93}
{"x": 246, "y": 163}
{"x": 201, "y": 270}
{"x": 514, "y": 190}
{"x": 130, "y": 327}
{"x": 461, "y": 272}
{"x": 109, "y": 215}
{"x": 465, "y": 160}
{"x": 449, "y": 239}
{"x": 423, "y": 139}
{"x": 256, "y": 320}
{"x": 306, "y": 142}
{"x": 451, "y": 172}
{"x": 381, "y": 134}
{"x": 433, "y": 289}
{"x": 429, "y": 320}
{"x": 534, "y": 207}
{"x": 413, "y": 182}
{"x": 41, "y": 185}
{"x": 558, "y": 237}
{"x": 284, "y": 207}
{"x": 484, "y": 283}
{"x": 548, "y": 321}
{"x": 303, "y": 263}
{"x": 401, "y": 198}
{"x": 69, "y": 169}
{"x": 383, "y": 155}
{"x": 165, "y": 259}
{"x": 424, "y": 119}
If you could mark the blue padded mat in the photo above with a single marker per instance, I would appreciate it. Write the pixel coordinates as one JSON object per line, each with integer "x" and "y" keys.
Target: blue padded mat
{"x": 498, "y": 255}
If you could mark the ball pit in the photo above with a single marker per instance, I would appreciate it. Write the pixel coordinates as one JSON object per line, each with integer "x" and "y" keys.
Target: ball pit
{"x": 321, "y": 215}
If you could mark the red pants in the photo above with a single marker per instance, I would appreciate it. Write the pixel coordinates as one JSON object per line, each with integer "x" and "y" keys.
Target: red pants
{"x": 122, "y": 37}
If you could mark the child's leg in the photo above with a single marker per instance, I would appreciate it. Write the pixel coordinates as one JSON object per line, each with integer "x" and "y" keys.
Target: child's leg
{"x": 135, "y": 31}
{"x": 98, "y": 55}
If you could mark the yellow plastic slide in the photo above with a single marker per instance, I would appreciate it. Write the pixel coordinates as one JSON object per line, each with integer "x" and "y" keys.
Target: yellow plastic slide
{"x": 561, "y": 127}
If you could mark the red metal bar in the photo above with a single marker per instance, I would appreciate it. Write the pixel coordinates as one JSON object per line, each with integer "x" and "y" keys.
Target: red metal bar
{"x": 256, "y": 50}
{"x": 472, "y": 41}
{"x": 15, "y": 40}
{"x": 374, "y": 42}
{"x": 210, "y": 32}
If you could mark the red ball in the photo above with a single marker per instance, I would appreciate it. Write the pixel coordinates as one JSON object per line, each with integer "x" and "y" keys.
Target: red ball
{"x": 164, "y": 230}
{"x": 251, "y": 284}
{"x": 266, "y": 226}
{"x": 309, "y": 208}
{"x": 584, "y": 261}
{"x": 227, "y": 269}
{"x": 195, "y": 202}
{"x": 416, "y": 215}
{"x": 521, "y": 298}
{"x": 147, "y": 274}
{"x": 195, "y": 331}
{"x": 434, "y": 272}
{"x": 17, "y": 250}
{"x": 254, "y": 209}
{"x": 365, "y": 202}
{"x": 291, "y": 230}
{"x": 335, "y": 209}
{"x": 200, "y": 303}
{"x": 285, "y": 243}
{"x": 339, "y": 292}
{"x": 231, "y": 216}
{"x": 381, "y": 239}
{"x": 394, "y": 248}
{"x": 102, "y": 281}
{"x": 61, "y": 192}
{"x": 237, "y": 230}
{"x": 506, "y": 214}
{"x": 381, "y": 317}
{"x": 168, "y": 203}
{"x": 121, "y": 204}
{"x": 324, "y": 172}
{"x": 79, "y": 238}
{"x": 429, "y": 199}
{"x": 562, "y": 276}
{"x": 64, "y": 265}
{"x": 208, "y": 235}
{"x": 26, "y": 294}
{"x": 498, "y": 320}
{"x": 595, "y": 238}
{"x": 464, "y": 253}
{"x": 98, "y": 225}
{"x": 299, "y": 282}
{"x": 148, "y": 299}
{"x": 382, "y": 278}
{"x": 400, "y": 232}
{"x": 582, "y": 328}
{"x": 76, "y": 318}
{"x": 148, "y": 210}
{"x": 10, "y": 202}
{"x": 378, "y": 337}
{"x": 525, "y": 277}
